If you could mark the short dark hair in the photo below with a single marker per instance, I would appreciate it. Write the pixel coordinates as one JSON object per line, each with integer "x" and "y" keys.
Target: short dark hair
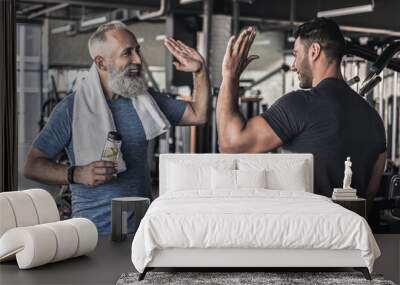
{"x": 325, "y": 32}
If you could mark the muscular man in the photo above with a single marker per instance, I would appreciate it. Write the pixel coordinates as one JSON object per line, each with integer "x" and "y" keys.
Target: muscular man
{"x": 328, "y": 119}
{"x": 119, "y": 88}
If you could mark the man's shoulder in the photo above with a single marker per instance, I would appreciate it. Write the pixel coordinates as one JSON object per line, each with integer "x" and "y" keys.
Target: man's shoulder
{"x": 295, "y": 97}
{"x": 374, "y": 115}
{"x": 363, "y": 107}
{"x": 65, "y": 107}
{"x": 300, "y": 93}
{"x": 68, "y": 101}
{"x": 165, "y": 97}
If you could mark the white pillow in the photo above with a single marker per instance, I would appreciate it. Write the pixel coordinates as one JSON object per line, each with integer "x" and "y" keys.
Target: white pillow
{"x": 223, "y": 179}
{"x": 292, "y": 180}
{"x": 226, "y": 179}
{"x": 251, "y": 178}
{"x": 288, "y": 174}
{"x": 185, "y": 175}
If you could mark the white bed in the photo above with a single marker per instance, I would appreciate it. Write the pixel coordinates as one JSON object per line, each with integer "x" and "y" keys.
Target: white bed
{"x": 242, "y": 210}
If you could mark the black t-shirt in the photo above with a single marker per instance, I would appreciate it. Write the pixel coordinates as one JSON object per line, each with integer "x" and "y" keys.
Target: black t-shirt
{"x": 331, "y": 121}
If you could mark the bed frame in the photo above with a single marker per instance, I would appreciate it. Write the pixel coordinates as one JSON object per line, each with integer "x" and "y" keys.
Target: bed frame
{"x": 243, "y": 259}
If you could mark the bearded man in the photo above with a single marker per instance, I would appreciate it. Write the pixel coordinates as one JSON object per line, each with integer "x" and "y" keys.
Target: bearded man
{"x": 113, "y": 97}
{"x": 328, "y": 119}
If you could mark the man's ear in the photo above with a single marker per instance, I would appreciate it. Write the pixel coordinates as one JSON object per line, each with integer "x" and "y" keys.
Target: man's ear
{"x": 100, "y": 63}
{"x": 315, "y": 50}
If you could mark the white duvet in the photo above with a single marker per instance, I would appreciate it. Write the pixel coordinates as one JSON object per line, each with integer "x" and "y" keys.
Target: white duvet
{"x": 250, "y": 219}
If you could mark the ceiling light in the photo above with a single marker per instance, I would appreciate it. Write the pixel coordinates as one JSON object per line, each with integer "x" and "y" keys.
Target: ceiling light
{"x": 346, "y": 11}
{"x": 94, "y": 21}
{"x": 188, "y": 1}
{"x": 262, "y": 43}
{"x": 62, "y": 29}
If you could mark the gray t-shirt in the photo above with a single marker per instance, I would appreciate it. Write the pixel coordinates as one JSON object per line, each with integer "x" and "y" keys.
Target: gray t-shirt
{"x": 331, "y": 121}
{"x": 94, "y": 203}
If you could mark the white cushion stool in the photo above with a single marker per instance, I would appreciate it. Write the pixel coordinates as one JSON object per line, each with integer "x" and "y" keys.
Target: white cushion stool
{"x": 31, "y": 231}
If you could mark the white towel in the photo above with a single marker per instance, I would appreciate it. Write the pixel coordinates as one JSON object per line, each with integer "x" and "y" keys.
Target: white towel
{"x": 92, "y": 120}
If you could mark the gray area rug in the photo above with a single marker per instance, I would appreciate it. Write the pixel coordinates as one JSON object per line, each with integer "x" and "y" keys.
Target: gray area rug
{"x": 243, "y": 278}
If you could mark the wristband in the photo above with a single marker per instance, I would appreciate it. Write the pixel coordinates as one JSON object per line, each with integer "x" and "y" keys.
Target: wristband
{"x": 70, "y": 174}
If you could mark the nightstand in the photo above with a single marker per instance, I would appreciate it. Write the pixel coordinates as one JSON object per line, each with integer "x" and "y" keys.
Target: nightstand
{"x": 120, "y": 207}
{"x": 357, "y": 205}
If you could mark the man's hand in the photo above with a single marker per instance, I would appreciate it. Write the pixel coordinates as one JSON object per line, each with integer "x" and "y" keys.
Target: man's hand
{"x": 95, "y": 173}
{"x": 188, "y": 59}
{"x": 236, "y": 57}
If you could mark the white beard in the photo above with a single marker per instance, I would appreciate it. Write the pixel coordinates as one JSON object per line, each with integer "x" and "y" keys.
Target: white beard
{"x": 125, "y": 83}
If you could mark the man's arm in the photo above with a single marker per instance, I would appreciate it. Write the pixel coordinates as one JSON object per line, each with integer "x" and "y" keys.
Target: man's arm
{"x": 42, "y": 168}
{"x": 234, "y": 133}
{"x": 52, "y": 140}
{"x": 198, "y": 109}
{"x": 189, "y": 60}
{"x": 375, "y": 180}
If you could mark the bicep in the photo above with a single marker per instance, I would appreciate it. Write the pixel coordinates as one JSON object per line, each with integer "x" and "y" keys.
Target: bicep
{"x": 33, "y": 159}
{"x": 256, "y": 136}
{"x": 288, "y": 116}
{"x": 35, "y": 153}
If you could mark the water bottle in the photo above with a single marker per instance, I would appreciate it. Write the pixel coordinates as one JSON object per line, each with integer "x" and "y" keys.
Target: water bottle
{"x": 112, "y": 147}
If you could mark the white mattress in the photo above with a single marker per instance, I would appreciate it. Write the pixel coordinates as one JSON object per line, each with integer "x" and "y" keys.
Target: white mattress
{"x": 254, "y": 218}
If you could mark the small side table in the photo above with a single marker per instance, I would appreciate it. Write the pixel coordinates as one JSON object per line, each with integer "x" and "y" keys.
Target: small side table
{"x": 357, "y": 205}
{"x": 120, "y": 207}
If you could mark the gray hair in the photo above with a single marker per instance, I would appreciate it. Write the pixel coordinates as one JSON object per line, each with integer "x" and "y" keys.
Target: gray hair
{"x": 98, "y": 38}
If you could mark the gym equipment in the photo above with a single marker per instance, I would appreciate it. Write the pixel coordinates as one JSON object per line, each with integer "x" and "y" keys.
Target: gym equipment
{"x": 384, "y": 60}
